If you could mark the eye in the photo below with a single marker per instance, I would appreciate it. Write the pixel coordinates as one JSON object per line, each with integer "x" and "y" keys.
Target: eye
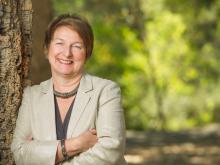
{"x": 59, "y": 43}
{"x": 77, "y": 46}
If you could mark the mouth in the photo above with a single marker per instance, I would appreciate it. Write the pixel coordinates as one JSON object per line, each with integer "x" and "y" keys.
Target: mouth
{"x": 65, "y": 62}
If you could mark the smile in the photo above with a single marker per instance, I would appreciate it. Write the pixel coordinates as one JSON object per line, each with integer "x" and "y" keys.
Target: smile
{"x": 66, "y": 62}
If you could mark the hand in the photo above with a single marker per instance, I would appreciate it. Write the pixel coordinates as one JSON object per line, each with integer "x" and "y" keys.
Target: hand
{"x": 87, "y": 139}
{"x": 81, "y": 143}
{"x": 29, "y": 138}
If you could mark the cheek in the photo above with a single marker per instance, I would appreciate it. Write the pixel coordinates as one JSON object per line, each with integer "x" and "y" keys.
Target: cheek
{"x": 83, "y": 56}
{"x": 52, "y": 53}
{"x": 53, "y": 50}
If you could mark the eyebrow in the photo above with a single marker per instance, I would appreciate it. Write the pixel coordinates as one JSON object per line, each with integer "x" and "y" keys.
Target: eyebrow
{"x": 76, "y": 42}
{"x": 58, "y": 39}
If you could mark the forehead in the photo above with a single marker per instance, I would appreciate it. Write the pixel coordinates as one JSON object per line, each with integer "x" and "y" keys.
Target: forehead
{"x": 63, "y": 32}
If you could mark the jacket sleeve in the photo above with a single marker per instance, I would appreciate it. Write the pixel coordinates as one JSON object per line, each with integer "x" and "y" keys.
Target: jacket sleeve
{"x": 26, "y": 151}
{"x": 110, "y": 125}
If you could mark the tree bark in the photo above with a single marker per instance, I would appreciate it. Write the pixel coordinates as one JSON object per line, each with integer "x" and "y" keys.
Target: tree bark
{"x": 15, "y": 53}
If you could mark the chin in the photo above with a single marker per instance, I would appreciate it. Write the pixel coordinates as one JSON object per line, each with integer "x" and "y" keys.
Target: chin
{"x": 70, "y": 74}
{"x": 67, "y": 74}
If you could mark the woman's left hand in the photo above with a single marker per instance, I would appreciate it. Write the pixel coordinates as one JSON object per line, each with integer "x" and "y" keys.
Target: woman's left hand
{"x": 30, "y": 138}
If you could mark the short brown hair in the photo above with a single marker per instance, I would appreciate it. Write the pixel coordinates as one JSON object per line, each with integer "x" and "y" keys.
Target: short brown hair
{"x": 75, "y": 22}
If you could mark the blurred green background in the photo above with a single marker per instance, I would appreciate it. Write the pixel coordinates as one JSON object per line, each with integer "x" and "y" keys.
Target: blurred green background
{"x": 163, "y": 53}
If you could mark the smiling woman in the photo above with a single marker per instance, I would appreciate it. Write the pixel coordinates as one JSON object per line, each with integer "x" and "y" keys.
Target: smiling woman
{"x": 66, "y": 53}
{"x": 72, "y": 118}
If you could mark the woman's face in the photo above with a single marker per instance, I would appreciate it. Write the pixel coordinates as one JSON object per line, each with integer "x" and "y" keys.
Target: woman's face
{"x": 66, "y": 52}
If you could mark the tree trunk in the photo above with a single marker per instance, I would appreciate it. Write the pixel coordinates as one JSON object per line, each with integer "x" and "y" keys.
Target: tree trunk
{"x": 15, "y": 53}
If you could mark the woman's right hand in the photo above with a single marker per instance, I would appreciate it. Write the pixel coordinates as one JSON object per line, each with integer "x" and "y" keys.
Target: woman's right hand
{"x": 81, "y": 143}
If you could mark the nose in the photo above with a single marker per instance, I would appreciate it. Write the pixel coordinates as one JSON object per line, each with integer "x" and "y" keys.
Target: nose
{"x": 67, "y": 51}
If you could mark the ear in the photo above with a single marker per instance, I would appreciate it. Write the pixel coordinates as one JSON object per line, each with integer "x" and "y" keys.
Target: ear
{"x": 46, "y": 52}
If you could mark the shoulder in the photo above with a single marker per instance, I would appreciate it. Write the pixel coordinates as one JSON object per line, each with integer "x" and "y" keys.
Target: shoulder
{"x": 37, "y": 89}
{"x": 105, "y": 90}
{"x": 104, "y": 87}
{"x": 99, "y": 82}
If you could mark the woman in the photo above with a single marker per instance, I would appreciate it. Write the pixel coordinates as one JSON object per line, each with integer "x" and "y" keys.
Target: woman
{"x": 73, "y": 118}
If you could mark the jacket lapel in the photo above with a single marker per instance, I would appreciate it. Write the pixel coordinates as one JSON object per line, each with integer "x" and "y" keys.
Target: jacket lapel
{"x": 81, "y": 100}
{"x": 48, "y": 103}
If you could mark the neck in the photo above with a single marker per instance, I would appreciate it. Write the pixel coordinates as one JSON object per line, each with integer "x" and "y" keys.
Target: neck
{"x": 65, "y": 84}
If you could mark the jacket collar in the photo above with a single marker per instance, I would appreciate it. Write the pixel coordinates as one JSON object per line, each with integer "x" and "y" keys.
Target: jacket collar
{"x": 85, "y": 84}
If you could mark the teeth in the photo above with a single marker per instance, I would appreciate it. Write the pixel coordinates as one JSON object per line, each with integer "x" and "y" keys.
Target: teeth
{"x": 65, "y": 61}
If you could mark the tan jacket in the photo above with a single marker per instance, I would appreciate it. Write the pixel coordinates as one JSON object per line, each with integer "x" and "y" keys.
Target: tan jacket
{"x": 97, "y": 105}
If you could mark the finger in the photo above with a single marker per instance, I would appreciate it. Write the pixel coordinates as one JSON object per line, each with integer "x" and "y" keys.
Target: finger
{"x": 29, "y": 138}
{"x": 93, "y": 131}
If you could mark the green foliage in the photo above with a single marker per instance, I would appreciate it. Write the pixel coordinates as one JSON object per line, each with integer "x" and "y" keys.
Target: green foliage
{"x": 163, "y": 53}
